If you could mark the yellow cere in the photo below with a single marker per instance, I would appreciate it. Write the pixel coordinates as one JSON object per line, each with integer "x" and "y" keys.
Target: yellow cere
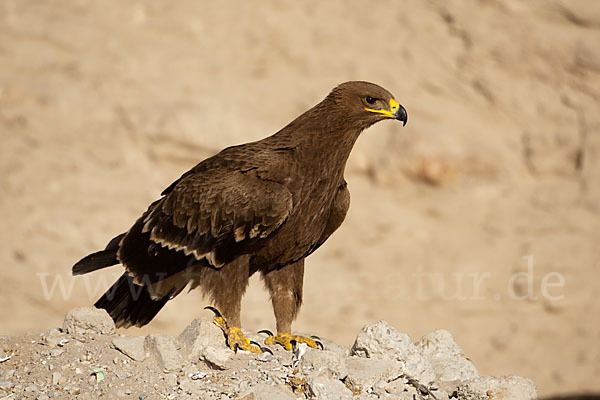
{"x": 394, "y": 105}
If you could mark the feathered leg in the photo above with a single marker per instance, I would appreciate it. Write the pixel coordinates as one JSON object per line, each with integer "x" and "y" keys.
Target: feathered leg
{"x": 225, "y": 286}
{"x": 285, "y": 288}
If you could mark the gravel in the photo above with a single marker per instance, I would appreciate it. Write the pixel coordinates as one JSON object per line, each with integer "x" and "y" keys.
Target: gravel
{"x": 87, "y": 360}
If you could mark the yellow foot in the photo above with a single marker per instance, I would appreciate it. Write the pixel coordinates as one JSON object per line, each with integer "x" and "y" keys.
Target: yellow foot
{"x": 236, "y": 340}
{"x": 287, "y": 341}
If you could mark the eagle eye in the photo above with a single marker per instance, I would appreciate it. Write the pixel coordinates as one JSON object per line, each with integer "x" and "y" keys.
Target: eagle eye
{"x": 371, "y": 100}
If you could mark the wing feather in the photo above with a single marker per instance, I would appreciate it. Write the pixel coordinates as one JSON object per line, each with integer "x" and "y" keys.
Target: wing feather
{"x": 217, "y": 216}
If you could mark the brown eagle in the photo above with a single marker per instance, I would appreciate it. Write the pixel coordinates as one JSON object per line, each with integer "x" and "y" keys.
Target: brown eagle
{"x": 261, "y": 206}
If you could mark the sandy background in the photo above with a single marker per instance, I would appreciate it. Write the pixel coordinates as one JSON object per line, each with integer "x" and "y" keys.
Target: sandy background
{"x": 104, "y": 104}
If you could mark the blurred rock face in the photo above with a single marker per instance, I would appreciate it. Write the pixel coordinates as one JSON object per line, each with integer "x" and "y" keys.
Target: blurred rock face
{"x": 103, "y": 105}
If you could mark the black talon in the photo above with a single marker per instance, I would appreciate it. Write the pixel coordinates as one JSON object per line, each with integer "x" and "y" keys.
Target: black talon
{"x": 268, "y": 332}
{"x": 217, "y": 313}
{"x": 318, "y": 341}
{"x": 236, "y": 347}
{"x": 265, "y": 350}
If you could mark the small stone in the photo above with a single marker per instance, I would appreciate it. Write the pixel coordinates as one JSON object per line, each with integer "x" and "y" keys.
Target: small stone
{"x": 324, "y": 388}
{"x": 201, "y": 333}
{"x": 52, "y": 337}
{"x": 194, "y": 387}
{"x": 56, "y": 377}
{"x": 87, "y": 319}
{"x": 42, "y": 396}
{"x": 265, "y": 357}
{"x": 142, "y": 396}
{"x": 98, "y": 374}
{"x": 198, "y": 375}
{"x": 31, "y": 388}
{"x": 447, "y": 359}
{"x": 6, "y": 385}
{"x": 363, "y": 373}
{"x": 493, "y": 387}
{"x": 325, "y": 361}
{"x": 131, "y": 346}
{"x": 164, "y": 349}
{"x": 264, "y": 391}
{"x": 216, "y": 358}
{"x": 56, "y": 352}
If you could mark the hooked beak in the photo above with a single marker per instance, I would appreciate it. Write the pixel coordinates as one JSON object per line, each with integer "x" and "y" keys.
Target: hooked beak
{"x": 399, "y": 113}
{"x": 396, "y": 111}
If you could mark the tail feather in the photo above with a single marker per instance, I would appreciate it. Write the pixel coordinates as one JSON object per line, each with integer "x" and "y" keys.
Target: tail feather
{"x": 130, "y": 304}
{"x": 100, "y": 259}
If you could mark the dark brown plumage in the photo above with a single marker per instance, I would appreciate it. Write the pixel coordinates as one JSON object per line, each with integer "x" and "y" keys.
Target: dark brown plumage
{"x": 262, "y": 206}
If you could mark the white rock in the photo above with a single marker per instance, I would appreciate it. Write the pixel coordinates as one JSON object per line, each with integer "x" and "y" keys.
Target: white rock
{"x": 164, "y": 349}
{"x": 380, "y": 340}
{"x": 447, "y": 359}
{"x": 53, "y": 337}
{"x": 56, "y": 378}
{"x": 363, "y": 373}
{"x": 131, "y": 346}
{"x": 88, "y": 319}
{"x": 325, "y": 361}
{"x": 56, "y": 352}
{"x": 497, "y": 388}
{"x": 264, "y": 391}
{"x": 324, "y": 388}
{"x": 194, "y": 387}
{"x": 198, "y": 335}
{"x": 216, "y": 358}
{"x": 265, "y": 357}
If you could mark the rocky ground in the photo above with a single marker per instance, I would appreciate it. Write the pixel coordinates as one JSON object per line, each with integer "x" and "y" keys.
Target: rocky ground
{"x": 86, "y": 359}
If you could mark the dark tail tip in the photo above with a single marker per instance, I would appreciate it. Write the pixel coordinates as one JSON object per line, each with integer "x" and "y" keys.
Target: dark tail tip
{"x": 130, "y": 304}
{"x": 100, "y": 259}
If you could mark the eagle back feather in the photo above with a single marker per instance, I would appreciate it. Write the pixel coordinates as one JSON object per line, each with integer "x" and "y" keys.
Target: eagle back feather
{"x": 214, "y": 217}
